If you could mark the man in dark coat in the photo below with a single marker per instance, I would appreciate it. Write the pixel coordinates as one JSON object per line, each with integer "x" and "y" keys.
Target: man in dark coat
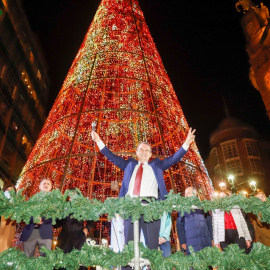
{"x": 38, "y": 234}
{"x": 73, "y": 234}
{"x": 194, "y": 229}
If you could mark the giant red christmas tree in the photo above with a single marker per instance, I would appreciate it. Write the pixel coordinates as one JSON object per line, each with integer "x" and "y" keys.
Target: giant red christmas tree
{"x": 118, "y": 80}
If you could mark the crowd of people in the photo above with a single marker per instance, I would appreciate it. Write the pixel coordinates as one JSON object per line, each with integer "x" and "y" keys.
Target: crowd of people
{"x": 144, "y": 178}
{"x": 40, "y": 233}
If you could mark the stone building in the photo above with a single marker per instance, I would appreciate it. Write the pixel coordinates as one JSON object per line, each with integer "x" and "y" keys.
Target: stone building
{"x": 238, "y": 149}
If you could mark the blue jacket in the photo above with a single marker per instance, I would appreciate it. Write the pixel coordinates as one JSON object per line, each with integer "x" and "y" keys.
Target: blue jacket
{"x": 45, "y": 229}
{"x": 158, "y": 166}
{"x": 195, "y": 229}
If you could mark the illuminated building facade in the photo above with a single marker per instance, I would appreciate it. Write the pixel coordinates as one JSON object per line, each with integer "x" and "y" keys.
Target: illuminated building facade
{"x": 24, "y": 87}
{"x": 256, "y": 25}
{"x": 237, "y": 149}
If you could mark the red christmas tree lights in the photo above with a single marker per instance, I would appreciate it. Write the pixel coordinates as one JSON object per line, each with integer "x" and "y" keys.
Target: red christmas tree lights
{"x": 118, "y": 80}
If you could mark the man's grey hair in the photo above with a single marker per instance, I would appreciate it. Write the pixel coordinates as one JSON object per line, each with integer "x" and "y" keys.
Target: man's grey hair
{"x": 194, "y": 190}
{"x": 45, "y": 179}
{"x": 146, "y": 144}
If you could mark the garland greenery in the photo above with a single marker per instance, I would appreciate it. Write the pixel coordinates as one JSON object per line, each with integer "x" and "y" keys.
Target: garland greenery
{"x": 55, "y": 205}
{"x": 231, "y": 258}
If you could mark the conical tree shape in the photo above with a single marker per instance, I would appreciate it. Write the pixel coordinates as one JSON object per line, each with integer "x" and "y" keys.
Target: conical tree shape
{"x": 118, "y": 80}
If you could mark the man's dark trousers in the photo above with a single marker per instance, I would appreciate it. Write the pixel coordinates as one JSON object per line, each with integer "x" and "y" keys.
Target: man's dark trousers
{"x": 150, "y": 232}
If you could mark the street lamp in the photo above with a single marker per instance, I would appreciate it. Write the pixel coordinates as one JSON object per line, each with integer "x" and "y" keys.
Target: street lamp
{"x": 231, "y": 182}
{"x": 253, "y": 185}
{"x": 222, "y": 185}
{"x": 231, "y": 179}
{"x": 244, "y": 193}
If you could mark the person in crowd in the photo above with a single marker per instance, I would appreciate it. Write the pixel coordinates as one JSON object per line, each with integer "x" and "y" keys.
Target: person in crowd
{"x": 230, "y": 228}
{"x": 164, "y": 239}
{"x": 8, "y": 226}
{"x": 194, "y": 229}
{"x": 262, "y": 229}
{"x": 73, "y": 233}
{"x": 250, "y": 229}
{"x": 38, "y": 234}
{"x": 144, "y": 178}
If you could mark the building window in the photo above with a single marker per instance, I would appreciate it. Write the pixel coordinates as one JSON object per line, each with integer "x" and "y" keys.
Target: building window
{"x": 214, "y": 157}
{"x": 231, "y": 157}
{"x": 38, "y": 74}
{"x": 31, "y": 57}
{"x": 14, "y": 127}
{"x": 256, "y": 166}
{"x": 234, "y": 167}
{"x": 252, "y": 149}
{"x": 27, "y": 82}
{"x": 229, "y": 149}
{"x": 25, "y": 78}
{"x": 217, "y": 173}
{"x": 26, "y": 144}
{"x": 217, "y": 170}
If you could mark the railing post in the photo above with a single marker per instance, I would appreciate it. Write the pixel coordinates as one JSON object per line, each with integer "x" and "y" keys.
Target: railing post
{"x": 136, "y": 245}
{"x": 137, "y": 262}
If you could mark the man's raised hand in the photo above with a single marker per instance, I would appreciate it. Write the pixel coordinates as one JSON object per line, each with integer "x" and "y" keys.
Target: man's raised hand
{"x": 190, "y": 137}
{"x": 95, "y": 136}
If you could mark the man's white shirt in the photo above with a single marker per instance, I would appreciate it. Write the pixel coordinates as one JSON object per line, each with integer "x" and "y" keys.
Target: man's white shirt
{"x": 149, "y": 185}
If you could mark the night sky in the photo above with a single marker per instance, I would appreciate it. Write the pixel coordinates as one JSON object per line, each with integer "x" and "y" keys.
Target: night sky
{"x": 201, "y": 43}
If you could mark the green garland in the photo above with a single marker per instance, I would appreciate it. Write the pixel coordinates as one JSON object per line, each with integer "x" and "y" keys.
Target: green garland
{"x": 54, "y": 205}
{"x": 231, "y": 258}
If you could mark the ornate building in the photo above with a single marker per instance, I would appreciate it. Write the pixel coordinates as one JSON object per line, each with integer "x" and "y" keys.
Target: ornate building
{"x": 24, "y": 87}
{"x": 256, "y": 25}
{"x": 237, "y": 149}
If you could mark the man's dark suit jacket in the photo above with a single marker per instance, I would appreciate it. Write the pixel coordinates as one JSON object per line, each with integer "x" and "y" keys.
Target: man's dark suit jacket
{"x": 157, "y": 165}
{"x": 45, "y": 229}
{"x": 72, "y": 235}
